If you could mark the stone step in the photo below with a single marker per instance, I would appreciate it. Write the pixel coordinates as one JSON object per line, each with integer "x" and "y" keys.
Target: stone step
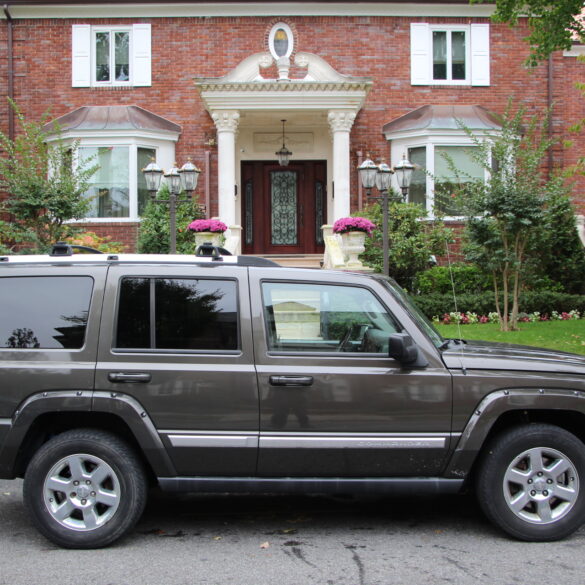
{"x": 296, "y": 260}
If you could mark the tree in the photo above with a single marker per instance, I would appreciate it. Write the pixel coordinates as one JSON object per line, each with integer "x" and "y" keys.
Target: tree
{"x": 554, "y": 25}
{"x": 44, "y": 186}
{"x": 412, "y": 242}
{"x": 506, "y": 213}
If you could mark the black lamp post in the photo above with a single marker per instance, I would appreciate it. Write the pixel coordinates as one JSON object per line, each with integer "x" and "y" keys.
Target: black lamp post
{"x": 379, "y": 176}
{"x": 183, "y": 178}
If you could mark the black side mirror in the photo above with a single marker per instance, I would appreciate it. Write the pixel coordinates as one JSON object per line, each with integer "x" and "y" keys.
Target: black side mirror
{"x": 402, "y": 348}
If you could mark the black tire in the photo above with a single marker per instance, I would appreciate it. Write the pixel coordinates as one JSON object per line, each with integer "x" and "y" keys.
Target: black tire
{"x": 85, "y": 489}
{"x": 531, "y": 482}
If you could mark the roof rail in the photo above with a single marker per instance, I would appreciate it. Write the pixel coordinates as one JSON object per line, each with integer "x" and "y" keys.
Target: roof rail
{"x": 65, "y": 249}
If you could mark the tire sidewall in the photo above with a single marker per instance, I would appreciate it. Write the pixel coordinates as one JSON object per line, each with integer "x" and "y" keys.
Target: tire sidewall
{"x": 502, "y": 453}
{"x": 129, "y": 474}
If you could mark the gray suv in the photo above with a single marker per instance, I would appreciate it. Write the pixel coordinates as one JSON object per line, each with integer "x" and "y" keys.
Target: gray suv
{"x": 230, "y": 374}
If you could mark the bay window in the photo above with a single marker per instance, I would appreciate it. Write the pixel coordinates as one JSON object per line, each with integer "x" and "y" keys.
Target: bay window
{"x": 118, "y": 188}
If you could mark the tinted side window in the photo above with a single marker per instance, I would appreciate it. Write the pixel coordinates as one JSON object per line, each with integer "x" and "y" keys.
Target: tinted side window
{"x": 315, "y": 317}
{"x": 173, "y": 313}
{"x": 44, "y": 312}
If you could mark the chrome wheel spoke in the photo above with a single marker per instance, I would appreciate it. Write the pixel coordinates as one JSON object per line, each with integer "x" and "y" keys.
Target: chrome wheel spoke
{"x": 517, "y": 476}
{"x": 519, "y": 502}
{"x": 57, "y": 484}
{"x": 536, "y": 460}
{"x": 90, "y": 518}
{"x": 99, "y": 475}
{"x": 107, "y": 498}
{"x": 567, "y": 494}
{"x": 64, "y": 511}
{"x": 559, "y": 467}
{"x": 76, "y": 467}
{"x": 544, "y": 511}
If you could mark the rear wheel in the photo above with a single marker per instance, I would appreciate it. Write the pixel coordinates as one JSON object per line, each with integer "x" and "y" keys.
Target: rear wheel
{"x": 85, "y": 489}
{"x": 531, "y": 482}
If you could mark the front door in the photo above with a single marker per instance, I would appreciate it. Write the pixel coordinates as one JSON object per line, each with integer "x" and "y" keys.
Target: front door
{"x": 283, "y": 208}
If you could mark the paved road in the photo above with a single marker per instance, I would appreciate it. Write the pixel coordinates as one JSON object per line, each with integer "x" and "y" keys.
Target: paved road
{"x": 281, "y": 540}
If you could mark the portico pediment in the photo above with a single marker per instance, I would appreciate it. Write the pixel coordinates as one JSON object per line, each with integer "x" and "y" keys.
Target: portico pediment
{"x": 321, "y": 88}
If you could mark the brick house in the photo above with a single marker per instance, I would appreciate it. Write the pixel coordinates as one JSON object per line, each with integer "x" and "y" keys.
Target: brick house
{"x": 213, "y": 82}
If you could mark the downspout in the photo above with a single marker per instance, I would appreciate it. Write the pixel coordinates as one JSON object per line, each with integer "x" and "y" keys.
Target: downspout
{"x": 10, "y": 47}
{"x": 549, "y": 104}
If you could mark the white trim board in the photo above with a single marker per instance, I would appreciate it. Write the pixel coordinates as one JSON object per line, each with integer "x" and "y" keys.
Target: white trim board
{"x": 230, "y": 10}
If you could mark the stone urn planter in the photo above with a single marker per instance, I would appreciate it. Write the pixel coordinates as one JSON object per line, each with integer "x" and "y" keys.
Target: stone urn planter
{"x": 353, "y": 246}
{"x": 208, "y": 230}
{"x": 216, "y": 238}
{"x": 353, "y": 232}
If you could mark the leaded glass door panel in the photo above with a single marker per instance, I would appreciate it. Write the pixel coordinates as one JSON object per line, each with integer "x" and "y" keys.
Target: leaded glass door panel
{"x": 284, "y": 208}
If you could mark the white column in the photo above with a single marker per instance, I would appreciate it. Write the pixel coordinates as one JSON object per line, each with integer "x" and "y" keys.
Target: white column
{"x": 226, "y": 123}
{"x": 340, "y": 123}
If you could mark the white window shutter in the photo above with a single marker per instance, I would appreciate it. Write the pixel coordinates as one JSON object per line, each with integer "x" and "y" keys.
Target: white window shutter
{"x": 81, "y": 55}
{"x": 141, "y": 55}
{"x": 480, "y": 54}
{"x": 420, "y": 57}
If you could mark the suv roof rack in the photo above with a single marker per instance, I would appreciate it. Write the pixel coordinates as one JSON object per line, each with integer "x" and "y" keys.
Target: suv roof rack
{"x": 65, "y": 249}
{"x": 66, "y": 255}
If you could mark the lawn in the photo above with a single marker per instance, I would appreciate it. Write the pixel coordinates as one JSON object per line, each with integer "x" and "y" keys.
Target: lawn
{"x": 561, "y": 335}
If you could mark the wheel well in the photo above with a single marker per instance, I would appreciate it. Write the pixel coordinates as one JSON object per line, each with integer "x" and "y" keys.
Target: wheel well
{"x": 49, "y": 425}
{"x": 571, "y": 421}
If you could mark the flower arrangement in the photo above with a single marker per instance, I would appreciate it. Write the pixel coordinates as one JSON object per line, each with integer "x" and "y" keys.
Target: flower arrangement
{"x": 465, "y": 318}
{"x": 353, "y": 224}
{"x": 207, "y": 225}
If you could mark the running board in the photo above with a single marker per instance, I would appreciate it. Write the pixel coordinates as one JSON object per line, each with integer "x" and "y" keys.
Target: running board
{"x": 294, "y": 485}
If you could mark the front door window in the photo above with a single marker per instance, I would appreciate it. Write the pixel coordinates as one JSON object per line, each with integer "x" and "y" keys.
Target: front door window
{"x": 284, "y": 208}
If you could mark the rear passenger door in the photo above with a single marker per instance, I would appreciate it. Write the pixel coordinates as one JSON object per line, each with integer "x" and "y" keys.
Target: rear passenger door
{"x": 177, "y": 340}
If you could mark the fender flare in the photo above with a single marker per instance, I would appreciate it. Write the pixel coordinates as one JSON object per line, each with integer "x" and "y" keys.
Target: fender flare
{"x": 126, "y": 408}
{"x": 495, "y": 405}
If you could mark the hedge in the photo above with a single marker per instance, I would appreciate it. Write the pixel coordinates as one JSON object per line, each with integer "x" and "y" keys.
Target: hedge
{"x": 545, "y": 302}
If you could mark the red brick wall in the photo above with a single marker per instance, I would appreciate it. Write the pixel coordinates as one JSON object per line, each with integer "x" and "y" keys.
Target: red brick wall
{"x": 379, "y": 47}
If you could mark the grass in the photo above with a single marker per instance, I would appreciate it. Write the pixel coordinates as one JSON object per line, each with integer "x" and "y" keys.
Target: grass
{"x": 561, "y": 335}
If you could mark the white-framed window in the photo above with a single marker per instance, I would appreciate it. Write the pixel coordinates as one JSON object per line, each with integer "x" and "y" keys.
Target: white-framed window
{"x": 449, "y": 54}
{"x": 281, "y": 41}
{"x": 117, "y": 190}
{"x": 111, "y": 55}
{"x": 433, "y": 181}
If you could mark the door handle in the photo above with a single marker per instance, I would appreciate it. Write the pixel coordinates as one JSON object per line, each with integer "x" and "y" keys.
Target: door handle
{"x": 291, "y": 380}
{"x": 140, "y": 377}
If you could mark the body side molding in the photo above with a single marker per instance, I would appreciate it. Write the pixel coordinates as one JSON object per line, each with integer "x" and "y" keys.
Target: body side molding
{"x": 329, "y": 485}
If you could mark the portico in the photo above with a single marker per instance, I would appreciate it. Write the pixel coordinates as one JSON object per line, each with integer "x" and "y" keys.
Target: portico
{"x": 319, "y": 105}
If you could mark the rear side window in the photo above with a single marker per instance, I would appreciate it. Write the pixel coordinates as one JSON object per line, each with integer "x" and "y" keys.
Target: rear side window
{"x": 177, "y": 314}
{"x": 44, "y": 312}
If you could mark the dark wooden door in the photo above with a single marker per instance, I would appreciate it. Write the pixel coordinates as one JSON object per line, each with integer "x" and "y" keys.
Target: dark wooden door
{"x": 283, "y": 208}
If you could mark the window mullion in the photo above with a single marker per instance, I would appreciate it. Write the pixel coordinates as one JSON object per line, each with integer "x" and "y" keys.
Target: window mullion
{"x": 449, "y": 56}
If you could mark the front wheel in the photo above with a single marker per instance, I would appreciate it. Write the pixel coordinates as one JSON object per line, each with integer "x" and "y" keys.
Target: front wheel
{"x": 531, "y": 482}
{"x": 85, "y": 489}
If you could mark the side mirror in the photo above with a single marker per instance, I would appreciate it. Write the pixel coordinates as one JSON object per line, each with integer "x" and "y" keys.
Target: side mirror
{"x": 402, "y": 348}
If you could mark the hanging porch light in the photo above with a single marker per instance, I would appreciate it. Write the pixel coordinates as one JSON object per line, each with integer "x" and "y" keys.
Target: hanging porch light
{"x": 284, "y": 153}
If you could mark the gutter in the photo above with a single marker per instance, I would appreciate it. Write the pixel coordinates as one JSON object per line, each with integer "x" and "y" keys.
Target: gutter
{"x": 549, "y": 105}
{"x": 10, "y": 50}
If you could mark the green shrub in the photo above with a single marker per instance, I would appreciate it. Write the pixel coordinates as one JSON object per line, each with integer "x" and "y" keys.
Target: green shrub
{"x": 483, "y": 303}
{"x": 154, "y": 232}
{"x": 467, "y": 278}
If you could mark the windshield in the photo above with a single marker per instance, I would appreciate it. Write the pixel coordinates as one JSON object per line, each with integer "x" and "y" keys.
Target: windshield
{"x": 410, "y": 306}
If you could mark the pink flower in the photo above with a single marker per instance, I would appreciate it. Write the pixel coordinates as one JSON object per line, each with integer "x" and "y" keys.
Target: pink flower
{"x": 446, "y": 319}
{"x": 353, "y": 224}
{"x": 207, "y": 225}
{"x": 484, "y": 319}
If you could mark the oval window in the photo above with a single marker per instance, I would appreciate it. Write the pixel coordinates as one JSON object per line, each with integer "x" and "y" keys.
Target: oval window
{"x": 280, "y": 41}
